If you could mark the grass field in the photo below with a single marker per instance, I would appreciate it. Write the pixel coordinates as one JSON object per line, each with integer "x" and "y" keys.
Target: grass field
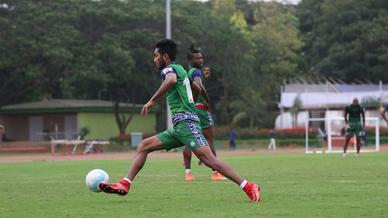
{"x": 293, "y": 185}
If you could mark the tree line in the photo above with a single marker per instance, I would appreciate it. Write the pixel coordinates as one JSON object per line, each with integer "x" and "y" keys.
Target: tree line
{"x": 102, "y": 49}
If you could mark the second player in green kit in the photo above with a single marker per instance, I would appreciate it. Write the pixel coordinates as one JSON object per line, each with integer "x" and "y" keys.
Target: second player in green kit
{"x": 196, "y": 74}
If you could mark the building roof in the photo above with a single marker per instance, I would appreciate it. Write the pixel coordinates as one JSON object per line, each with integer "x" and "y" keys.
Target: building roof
{"x": 360, "y": 87}
{"x": 331, "y": 95}
{"x": 333, "y": 87}
{"x": 67, "y": 106}
{"x": 300, "y": 87}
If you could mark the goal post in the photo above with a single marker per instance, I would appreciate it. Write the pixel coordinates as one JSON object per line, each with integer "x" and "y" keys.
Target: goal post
{"x": 325, "y": 135}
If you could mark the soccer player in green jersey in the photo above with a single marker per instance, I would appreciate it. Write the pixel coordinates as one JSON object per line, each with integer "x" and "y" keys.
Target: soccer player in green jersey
{"x": 186, "y": 127}
{"x": 353, "y": 114}
{"x": 195, "y": 73}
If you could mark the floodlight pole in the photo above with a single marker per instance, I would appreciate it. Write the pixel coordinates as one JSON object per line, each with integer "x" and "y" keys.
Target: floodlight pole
{"x": 168, "y": 36}
{"x": 377, "y": 135}
{"x": 329, "y": 144}
{"x": 168, "y": 19}
{"x": 306, "y": 135}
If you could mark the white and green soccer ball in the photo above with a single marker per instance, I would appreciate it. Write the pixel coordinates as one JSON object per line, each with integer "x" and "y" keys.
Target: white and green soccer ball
{"x": 94, "y": 177}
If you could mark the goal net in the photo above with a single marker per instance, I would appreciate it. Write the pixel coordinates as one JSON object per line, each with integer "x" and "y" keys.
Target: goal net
{"x": 326, "y": 135}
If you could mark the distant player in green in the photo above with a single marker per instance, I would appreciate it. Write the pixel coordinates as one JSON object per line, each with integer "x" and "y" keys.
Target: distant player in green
{"x": 196, "y": 74}
{"x": 186, "y": 127}
{"x": 353, "y": 125}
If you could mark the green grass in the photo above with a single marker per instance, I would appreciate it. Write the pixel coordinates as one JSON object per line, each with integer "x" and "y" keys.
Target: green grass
{"x": 293, "y": 185}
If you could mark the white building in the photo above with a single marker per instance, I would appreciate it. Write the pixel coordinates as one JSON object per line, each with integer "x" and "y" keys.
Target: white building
{"x": 327, "y": 100}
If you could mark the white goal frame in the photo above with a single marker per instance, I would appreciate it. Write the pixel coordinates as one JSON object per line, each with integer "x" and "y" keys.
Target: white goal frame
{"x": 328, "y": 122}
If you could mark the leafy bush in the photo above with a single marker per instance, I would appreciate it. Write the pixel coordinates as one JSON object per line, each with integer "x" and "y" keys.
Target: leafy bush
{"x": 84, "y": 131}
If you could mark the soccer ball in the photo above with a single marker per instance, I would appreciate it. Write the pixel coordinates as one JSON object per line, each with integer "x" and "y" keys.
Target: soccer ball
{"x": 94, "y": 177}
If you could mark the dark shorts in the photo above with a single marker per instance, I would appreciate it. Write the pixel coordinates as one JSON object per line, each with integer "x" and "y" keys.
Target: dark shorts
{"x": 354, "y": 129}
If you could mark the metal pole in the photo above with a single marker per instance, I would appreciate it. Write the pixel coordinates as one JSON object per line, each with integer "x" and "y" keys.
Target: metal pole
{"x": 168, "y": 19}
{"x": 168, "y": 36}
{"x": 307, "y": 135}
{"x": 381, "y": 91}
{"x": 329, "y": 144}
{"x": 377, "y": 136}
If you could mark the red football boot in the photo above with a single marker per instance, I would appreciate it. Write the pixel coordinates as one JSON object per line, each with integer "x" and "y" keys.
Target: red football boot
{"x": 120, "y": 188}
{"x": 216, "y": 176}
{"x": 189, "y": 177}
{"x": 253, "y": 191}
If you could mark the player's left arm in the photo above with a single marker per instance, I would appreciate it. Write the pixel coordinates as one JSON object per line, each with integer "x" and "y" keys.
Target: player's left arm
{"x": 198, "y": 81}
{"x": 169, "y": 81}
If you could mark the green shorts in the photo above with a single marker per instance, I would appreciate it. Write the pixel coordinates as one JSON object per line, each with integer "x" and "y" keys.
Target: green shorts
{"x": 354, "y": 129}
{"x": 185, "y": 132}
{"x": 205, "y": 117}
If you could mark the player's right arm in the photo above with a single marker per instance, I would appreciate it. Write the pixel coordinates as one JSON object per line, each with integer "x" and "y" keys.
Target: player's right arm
{"x": 196, "y": 76}
{"x": 169, "y": 81}
{"x": 346, "y": 118}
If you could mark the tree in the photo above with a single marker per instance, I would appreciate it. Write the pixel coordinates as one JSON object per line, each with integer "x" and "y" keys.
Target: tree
{"x": 277, "y": 50}
{"x": 346, "y": 39}
{"x": 294, "y": 110}
{"x": 102, "y": 49}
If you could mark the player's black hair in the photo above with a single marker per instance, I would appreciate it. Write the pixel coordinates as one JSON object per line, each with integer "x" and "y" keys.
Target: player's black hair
{"x": 193, "y": 50}
{"x": 167, "y": 46}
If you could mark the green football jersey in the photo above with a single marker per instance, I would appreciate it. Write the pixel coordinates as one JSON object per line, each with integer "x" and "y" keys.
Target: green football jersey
{"x": 354, "y": 113}
{"x": 193, "y": 72}
{"x": 179, "y": 97}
